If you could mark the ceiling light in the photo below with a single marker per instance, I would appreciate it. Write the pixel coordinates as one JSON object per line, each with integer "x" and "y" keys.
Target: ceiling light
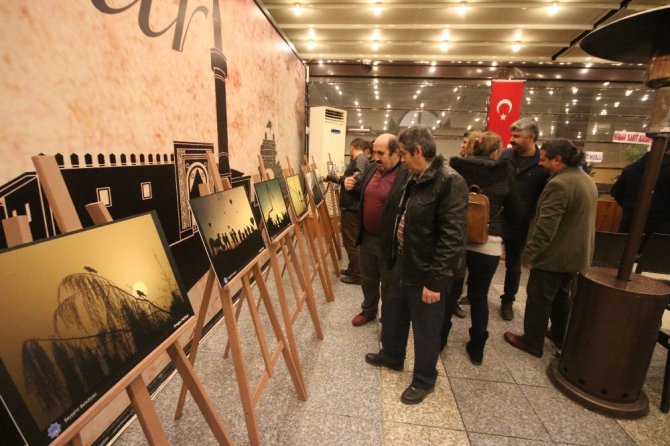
{"x": 359, "y": 114}
{"x": 443, "y": 113}
{"x": 603, "y": 112}
{"x": 567, "y": 122}
{"x": 297, "y": 9}
{"x": 432, "y": 69}
{"x": 551, "y": 92}
{"x": 444, "y": 47}
{"x": 375, "y": 45}
{"x": 494, "y": 63}
{"x": 311, "y": 33}
{"x": 553, "y": 9}
{"x": 575, "y": 90}
{"x": 598, "y": 98}
{"x": 376, "y": 34}
{"x": 421, "y": 105}
{"x": 605, "y": 84}
{"x": 574, "y": 101}
{"x": 438, "y": 121}
{"x": 518, "y": 34}
{"x": 414, "y": 97}
{"x": 356, "y": 103}
{"x": 588, "y": 65}
{"x": 595, "y": 129}
{"x": 311, "y": 44}
{"x": 377, "y": 9}
{"x": 616, "y": 104}
{"x": 532, "y": 91}
{"x": 445, "y": 34}
{"x": 645, "y": 97}
{"x": 516, "y": 47}
{"x": 340, "y": 92}
{"x": 388, "y": 105}
{"x": 469, "y": 127}
{"x": 629, "y": 92}
{"x": 462, "y": 9}
{"x": 320, "y": 61}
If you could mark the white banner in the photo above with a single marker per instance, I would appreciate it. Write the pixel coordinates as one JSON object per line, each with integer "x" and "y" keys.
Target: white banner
{"x": 631, "y": 137}
{"x": 594, "y": 157}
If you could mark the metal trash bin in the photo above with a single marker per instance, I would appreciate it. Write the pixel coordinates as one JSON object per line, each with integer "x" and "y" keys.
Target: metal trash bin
{"x": 610, "y": 339}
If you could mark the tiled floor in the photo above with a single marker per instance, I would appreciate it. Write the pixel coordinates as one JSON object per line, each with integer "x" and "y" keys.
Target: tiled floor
{"x": 506, "y": 401}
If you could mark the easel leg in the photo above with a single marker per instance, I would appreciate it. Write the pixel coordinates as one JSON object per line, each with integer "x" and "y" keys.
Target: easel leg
{"x": 293, "y": 368}
{"x": 237, "y": 318}
{"x": 240, "y": 369}
{"x": 146, "y": 413}
{"x": 327, "y": 232}
{"x": 307, "y": 286}
{"x": 191, "y": 381}
{"x": 197, "y": 334}
{"x": 312, "y": 233}
{"x": 256, "y": 319}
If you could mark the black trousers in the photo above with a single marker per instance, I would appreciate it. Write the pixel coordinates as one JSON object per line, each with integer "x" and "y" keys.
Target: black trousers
{"x": 375, "y": 273}
{"x": 403, "y": 305}
{"x": 481, "y": 268}
{"x": 513, "y": 250}
{"x": 549, "y": 297}
{"x": 349, "y": 225}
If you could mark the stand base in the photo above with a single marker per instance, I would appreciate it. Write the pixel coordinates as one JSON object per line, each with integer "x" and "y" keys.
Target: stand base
{"x": 635, "y": 409}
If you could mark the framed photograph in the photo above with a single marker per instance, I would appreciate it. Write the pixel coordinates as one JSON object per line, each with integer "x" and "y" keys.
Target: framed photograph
{"x": 273, "y": 207}
{"x": 86, "y": 307}
{"x": 312, "y": 183}
{"x": 296, "y": 195}
{"x": 228, "y": 230}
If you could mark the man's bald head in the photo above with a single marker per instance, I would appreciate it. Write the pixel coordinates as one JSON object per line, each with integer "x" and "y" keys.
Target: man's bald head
{"x": 385, "y": 151}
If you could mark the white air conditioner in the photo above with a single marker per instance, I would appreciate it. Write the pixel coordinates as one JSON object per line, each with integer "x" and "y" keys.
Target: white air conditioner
{"x": 327, "y": 132}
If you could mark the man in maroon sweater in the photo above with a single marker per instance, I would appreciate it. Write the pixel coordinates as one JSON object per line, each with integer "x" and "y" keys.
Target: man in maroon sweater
{"x": 381, "y": 189}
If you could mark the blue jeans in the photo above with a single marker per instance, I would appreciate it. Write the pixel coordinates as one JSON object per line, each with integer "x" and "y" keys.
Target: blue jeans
{"x": 403, "y": 305}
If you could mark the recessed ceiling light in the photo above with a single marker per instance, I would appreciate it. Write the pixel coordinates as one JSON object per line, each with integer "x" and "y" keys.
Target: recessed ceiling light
{"x": 516, "y": 47}
{"x": 553, "y": 9}
{"x": 311, "y": 44}
{"x": 605, "y": 84}
{"x": 629, "y": 92}
{"x": 616, "y": 104}
{"x": 462, "y": 9}
{"x": 575, "y": 90}
{"x": 645, "y": 97}
{"x": 377, "y": 9}
{"x": 297, "y": 9}
{"x": 444, "y": 47}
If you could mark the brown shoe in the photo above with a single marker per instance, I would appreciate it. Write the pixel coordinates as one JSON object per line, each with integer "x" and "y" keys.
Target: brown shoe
{"x": 414, "y": 395}
{"x": 361, "y": 319}
{"x": 518, "y": 342}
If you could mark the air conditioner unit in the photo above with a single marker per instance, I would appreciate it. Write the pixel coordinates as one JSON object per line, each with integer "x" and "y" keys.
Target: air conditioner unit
{"x": 327, "y": 132}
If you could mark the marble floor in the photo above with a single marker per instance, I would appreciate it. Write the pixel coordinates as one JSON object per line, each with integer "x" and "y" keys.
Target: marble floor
{"x": 506, "y": 401}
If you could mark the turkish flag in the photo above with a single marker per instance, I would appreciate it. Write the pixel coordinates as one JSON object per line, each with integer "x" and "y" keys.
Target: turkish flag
{"x": 504, "y": 107}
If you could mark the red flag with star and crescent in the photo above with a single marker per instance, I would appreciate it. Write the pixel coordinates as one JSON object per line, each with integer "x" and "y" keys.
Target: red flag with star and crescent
{"x": 504, "y": 107}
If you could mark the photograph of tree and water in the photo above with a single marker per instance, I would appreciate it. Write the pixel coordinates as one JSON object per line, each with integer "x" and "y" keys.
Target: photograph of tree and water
{"x": 228, "y": 230}
{"x": 296, "y": 195}
{"x": 312, "y": 183}
{"x": 273, "y": 207}
{"x": 80, "y": 311}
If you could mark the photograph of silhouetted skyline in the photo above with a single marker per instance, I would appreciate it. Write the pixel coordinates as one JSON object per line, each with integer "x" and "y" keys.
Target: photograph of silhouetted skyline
{"x": 273, "y": 207}
{"x": 296, "y": 195}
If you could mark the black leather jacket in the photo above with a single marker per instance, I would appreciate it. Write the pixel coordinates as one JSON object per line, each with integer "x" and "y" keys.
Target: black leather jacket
{"x": 435, "y": 205}
{"x": 496, "y": 181}
{"x": 390, "y": 208}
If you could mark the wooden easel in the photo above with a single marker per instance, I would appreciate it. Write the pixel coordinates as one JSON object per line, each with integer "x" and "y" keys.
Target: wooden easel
{"x": 320, "y": 222}
{"x": 328, "y": 225}
{"x": 248, "y": 396}
{"x": 336, "y": 215}
{"x": 304, "y": 231}
{"x": 133, "y": 383}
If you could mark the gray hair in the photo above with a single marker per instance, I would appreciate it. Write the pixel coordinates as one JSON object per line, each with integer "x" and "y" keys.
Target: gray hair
{"x": 528, "y": 125}
{"x": 418, "y": 135}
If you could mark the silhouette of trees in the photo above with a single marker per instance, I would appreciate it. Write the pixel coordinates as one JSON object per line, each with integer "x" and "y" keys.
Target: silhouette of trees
{"x": 99, "y": 327}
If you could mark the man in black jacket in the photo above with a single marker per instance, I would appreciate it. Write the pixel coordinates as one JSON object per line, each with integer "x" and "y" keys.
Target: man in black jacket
{"x": 429, "y": 253}
{"x": 381, "y": 185}
{"x": 349, "y": 201}
{"x": 524, "y": 159}
{"x": 627, "y": 187}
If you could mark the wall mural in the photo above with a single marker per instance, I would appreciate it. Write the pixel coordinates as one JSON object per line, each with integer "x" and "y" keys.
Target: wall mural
{"x": 130, "y": 95}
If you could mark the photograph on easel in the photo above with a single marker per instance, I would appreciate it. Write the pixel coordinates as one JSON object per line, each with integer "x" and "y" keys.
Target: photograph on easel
{"x": 296, "y": 195}
{"x": 273, "y": 207}
{"x": 312, "y": 183}
{"x": 86, "y": 307}
{"x": 229, "y": 231}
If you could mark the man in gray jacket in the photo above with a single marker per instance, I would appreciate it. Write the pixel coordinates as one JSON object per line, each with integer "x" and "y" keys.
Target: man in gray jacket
{"x": 560, "y": 244}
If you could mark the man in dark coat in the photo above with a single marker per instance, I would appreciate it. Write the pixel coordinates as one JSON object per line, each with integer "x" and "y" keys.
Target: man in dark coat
{"x": 349, "y": 201}
{"x": 429, "y": 250}
{"x": 627, "y": 187}
{"x": 381, "y": 184}
{"x": 523, "y": 158}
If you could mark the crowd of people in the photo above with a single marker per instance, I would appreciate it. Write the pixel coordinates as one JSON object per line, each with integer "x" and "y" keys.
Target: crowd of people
{"x": 407, "y": 246}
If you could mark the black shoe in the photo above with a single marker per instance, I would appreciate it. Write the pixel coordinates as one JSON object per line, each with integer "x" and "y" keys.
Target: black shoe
{"x": 376, "y": 360}
{"x": 414, "y": 395}
{"x": 345, "y": 272}
{"x": 476, "y": 356}
{"x": 465, "y": 300}
{"x": 458, "y": 311}
{"x": 506, "y": 310}
{"x": 350, "y": 280}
